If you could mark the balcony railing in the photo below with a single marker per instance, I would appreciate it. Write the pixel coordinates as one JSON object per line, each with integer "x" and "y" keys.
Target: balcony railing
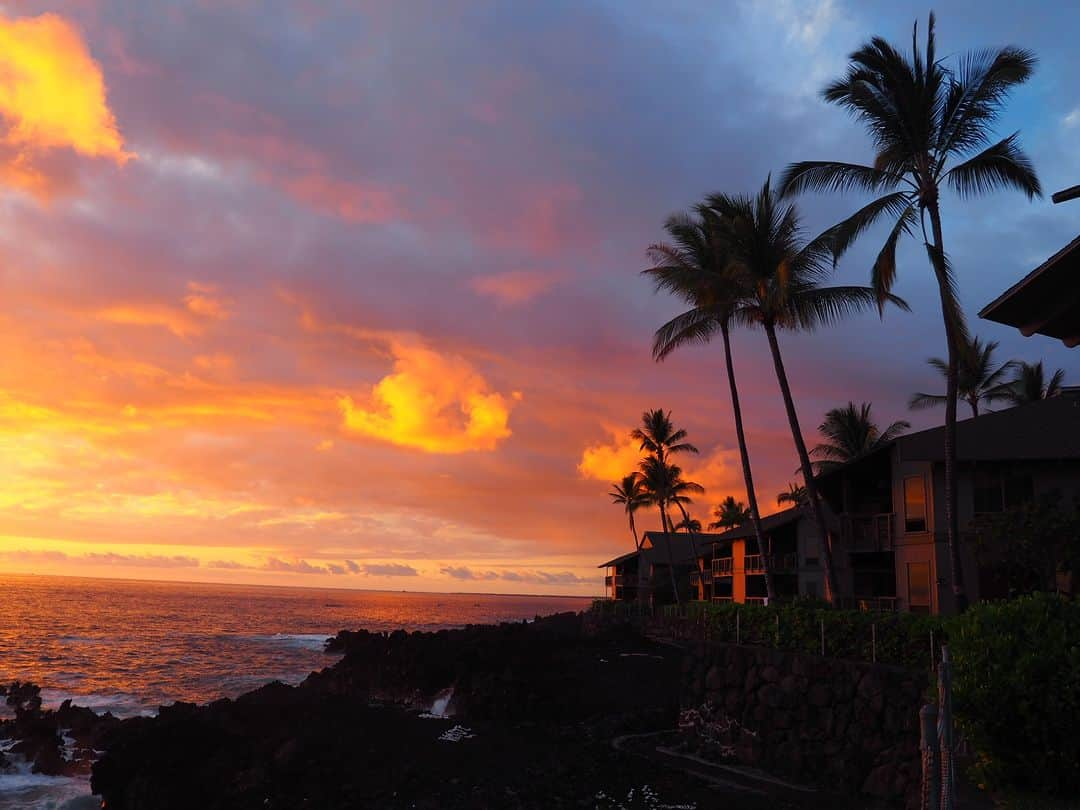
{"x": 697, "y": 577}
{"x": 722, "y": 599}
{"x": 884, "y": 604}
{"x": 618, "y": 580}
{"x": 868, "y": 532}
{"x": 755, "y": 600}
{"x": 755, "y": 564}
{"x": 723, "y": 567}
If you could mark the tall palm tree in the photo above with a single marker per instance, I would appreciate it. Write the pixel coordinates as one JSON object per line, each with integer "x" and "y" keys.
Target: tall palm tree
{"x": 785, "y": 291}
{"x": 696, "y": 267}
{"x": 851, "y": 433}
{"x": 931, "y": 126}
{"x": 730, "y": 513}
{"x": 666, "y": 487}
{"x": 795, "y": 495}
{"x": 1031, "y": 385}
{"x": 659, "y": 437}
{"x": 977, "y": 379}
{"x": 632, "y": 495}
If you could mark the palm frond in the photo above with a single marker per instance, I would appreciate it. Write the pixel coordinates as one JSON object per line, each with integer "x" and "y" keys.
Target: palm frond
{"x": 693, "y": 326}
{"x": 842, "y": 235}
{"x": 883, "y": 273}
{"x": 828, "y": 175}
{"x": 1003, "y": 165}
{"x": 920, "y": 401}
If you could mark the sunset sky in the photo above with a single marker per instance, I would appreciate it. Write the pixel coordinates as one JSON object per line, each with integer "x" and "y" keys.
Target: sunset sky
{"x": 345, "y": 293}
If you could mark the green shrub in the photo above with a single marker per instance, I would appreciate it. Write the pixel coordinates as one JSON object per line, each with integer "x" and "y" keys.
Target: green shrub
{"x": 1016, "y": 690}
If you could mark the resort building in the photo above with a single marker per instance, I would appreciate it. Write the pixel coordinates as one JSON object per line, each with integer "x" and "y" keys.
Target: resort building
{"x": 644, "y": 575}
{"x": 732, "y": 567}
{"x": 887, "y": 508}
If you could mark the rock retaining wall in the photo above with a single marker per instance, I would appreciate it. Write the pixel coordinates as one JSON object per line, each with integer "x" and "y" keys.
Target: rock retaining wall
{"x": 839, "y": 724}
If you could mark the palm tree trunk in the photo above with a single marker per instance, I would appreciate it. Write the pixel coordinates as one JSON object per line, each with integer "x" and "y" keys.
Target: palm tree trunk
{"x": 952, "y": 517}
{"x": 748, "y": 476}
{"x": 804, "y": 463}
{"x": 633, "y": 530}
{"x": 689, "y": 531}
{"x": 670, "y": 556}
{"x": 974, "y": 402}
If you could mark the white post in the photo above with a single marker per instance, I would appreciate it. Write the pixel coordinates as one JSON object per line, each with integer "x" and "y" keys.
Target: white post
{"x": 822, "y": 638}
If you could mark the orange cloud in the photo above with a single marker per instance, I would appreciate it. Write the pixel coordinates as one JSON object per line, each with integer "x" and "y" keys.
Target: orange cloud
{"x": 200, "y": 305}
{"x": 201, "y": 300}
{"x": 513, "y": 287}
{"x": 431, "y": 402}
{"x": 611, "y": 460}
{"x": 350, "y": 201}
{"x": 52, "y": 96}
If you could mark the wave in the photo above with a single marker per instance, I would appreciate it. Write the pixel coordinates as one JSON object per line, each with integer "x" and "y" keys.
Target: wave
{"x": 121, "y": 704}
{"x": 34, "y": 791}
{"x": 307, "y": 641}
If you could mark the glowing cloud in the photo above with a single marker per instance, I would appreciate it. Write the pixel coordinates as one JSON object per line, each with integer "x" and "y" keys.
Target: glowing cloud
{"x": 514, "y": 287}
{"x": 431, "y": 402}
{"x": 52, "y": 96}
{"x": 611, "y": 460}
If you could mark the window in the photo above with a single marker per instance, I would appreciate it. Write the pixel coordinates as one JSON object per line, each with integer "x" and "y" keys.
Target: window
{"x": 914, "y": 504}
{"x": 919, "y": 587}
{"x": 811, "y": 562}
{"x": 996, "y": 491}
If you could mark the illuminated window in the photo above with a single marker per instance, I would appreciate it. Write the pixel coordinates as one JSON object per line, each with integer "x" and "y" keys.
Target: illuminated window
{"x": 919, "y": 587}
{"x": 915, "y": 504}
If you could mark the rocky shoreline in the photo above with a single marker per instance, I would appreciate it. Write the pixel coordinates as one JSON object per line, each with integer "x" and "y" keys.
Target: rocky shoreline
{"x": 544, "y": 714}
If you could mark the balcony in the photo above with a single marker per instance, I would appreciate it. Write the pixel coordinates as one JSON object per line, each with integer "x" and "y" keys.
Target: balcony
{"x": 873, "y": 604}
{"x": 618, "y": 580}
{"x": 755, "y": 563}
{"x": 699, "y": 577}
{"x": 866, "y": 532}
{"x": 722, "y": 567}
{"x": 722, "y": 599}
{"x": 756, "y": 600}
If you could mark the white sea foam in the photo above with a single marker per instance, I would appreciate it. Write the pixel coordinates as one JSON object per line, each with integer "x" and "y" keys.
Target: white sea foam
{"x": 307, "y": 641}
{"x": 457, "y": 734}
{"x": 120, "y": 704}
{"x": 19, "y": 788}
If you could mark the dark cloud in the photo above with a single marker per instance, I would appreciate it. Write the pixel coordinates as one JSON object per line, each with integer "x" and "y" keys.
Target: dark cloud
{"x": 388, "y": 570}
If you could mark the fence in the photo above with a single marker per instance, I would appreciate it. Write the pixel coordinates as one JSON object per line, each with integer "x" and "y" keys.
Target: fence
{"x": 902, "y": 639}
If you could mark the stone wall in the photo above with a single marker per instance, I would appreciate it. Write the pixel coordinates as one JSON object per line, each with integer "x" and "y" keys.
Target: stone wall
{"x": 839, "y": 724}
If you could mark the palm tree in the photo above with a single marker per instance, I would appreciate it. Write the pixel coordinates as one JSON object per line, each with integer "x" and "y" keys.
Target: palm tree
{"x": 659, "y": 437}
{"x": 977, "y": 379}
{"x": 666, "y": 487}
{"x": 784, "y": 292}
{"x": 631, "y": 493}
{"x": 931, "y": 126}
{"x": 851, "y": 433}
{"x": 1031, "y": 385}
{"x": 691, "y": 525}
{"x": 795, "y": 495}
{"x": 696, "y": 267}
{"x": 729, "y": 514}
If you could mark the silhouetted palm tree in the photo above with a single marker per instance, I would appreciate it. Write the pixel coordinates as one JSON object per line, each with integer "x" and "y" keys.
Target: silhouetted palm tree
{"x": 1031, "y": 385}
{"x": 851, "y": 433}
{"x": 631, "y": 493}
{"x": 689, "y": 524}
{"x": 729, "y": 514}
{"x": 784, "y": 292}
{"x": 977, "y": 379}
{"x": 666, "y": 487}
{"x": 795, "y": 495}
{"x": 696, "y": 267}
{"x": 931, "y": 126}
{"x": 659, "y": 437}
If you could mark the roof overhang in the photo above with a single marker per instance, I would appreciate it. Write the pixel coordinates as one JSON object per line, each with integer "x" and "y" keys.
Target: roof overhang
{"x": 1046, "y": 301}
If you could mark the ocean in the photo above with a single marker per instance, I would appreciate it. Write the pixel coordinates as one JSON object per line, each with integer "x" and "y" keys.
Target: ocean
{"x": 128, "y": 647}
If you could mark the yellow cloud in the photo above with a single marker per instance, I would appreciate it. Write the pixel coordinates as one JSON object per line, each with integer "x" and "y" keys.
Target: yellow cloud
{"x": 432, "y": 402}
{"x": 52, "y": 96}
{"x": 611, "y": 460}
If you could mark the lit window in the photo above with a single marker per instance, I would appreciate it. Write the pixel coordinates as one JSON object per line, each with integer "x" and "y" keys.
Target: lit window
{"x": 915, "y": 504}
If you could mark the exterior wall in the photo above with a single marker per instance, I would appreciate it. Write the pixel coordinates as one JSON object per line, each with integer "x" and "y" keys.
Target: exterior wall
{"x": 738, "y": 565}
{"x": 811, "y": 578}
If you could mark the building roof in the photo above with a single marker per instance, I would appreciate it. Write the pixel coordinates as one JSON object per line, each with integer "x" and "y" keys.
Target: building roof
{"x": 1045, "y": 301}
{"x": 1046, "y": 430}
{"x": 654, "y": 548}
{"x": 768, "y": 523}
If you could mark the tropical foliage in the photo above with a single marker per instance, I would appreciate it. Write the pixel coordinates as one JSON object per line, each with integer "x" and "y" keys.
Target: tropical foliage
{"x": 795, "y": 495}
{"x": 631, "y": 494}
{"x": 1030, "y": 384}
{"x": 979, "y": 379}
{"x": 850, "y": 433}
{"x": 931, "y": 126}
{"x": 729, "y": 514}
